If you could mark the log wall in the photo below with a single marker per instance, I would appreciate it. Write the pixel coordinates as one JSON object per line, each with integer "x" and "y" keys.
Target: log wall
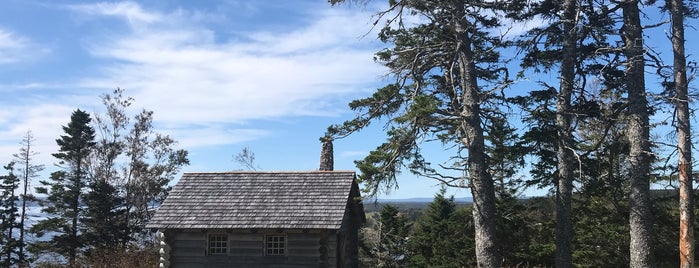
{"x": 246, "y": 248}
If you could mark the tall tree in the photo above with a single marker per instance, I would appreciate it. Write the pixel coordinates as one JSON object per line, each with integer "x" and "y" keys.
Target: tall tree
{"x": 28, "y": 170}
{"x": 8, "y": 217}
{"x": 575, "y": 40}
{"x": 106, "y": 215}
{"x": 684, "y": 139}
{"x": 638, "y": 134}
{"x": 442, "y": 66}
{"x": 564, "y": 148}
{"x": 137, "y": 162}
{"x": 65, "y": 189}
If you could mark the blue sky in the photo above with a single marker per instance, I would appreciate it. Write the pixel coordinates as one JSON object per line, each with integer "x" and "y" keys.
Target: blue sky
{"x": 219, "y": 75}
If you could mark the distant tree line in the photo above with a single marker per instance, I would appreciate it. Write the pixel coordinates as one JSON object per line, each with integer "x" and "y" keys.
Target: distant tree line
{"x": 443, "y": 233}
{"x": 113, "y": 170}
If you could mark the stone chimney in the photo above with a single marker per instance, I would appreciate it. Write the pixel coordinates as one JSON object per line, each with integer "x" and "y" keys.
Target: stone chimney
{"x": 326, "y": 155}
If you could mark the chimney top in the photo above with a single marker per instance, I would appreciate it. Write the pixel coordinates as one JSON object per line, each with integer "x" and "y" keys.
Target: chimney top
{"x": 326, "y": 155}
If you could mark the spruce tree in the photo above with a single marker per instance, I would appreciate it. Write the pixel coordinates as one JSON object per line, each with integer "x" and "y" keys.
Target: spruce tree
{"x": 9, "y": 215}
{"x": 65, "y": 190}
{"x": 573, "y": 41}
{"x": 638, "y": 134}
{"x": 440, "y": 238}
{"x": 393, "y": 235}
{"x": 678, "y": 9}
{"x": 446, "y": 68}
{"x": 104, "y": 224}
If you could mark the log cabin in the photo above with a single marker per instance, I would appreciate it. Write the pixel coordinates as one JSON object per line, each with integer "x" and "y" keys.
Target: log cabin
{"x": 261, "y": 219}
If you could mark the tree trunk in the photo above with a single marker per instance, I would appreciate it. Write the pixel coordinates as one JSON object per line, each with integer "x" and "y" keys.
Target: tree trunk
{"x": 11, "y": 221}
{"x": 75, "y": 199}
{"x": 487, "y": 252}
{"x": 640, "y": 217}
{"x": 684, "y": 142}
{"x": 23, "y": 215}
{"x": 566, "y": 164}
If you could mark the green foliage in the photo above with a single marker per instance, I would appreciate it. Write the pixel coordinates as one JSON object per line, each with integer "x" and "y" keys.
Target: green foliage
{"x": 393, "y": 237}
{"x": 105, "y": 221}
{"x": 442, "y": 236}
{"x": 427, "y": 101}
{"x": 104, "y": 195}
{"x": 383, "y": 240}
{"x": 505, "y": 154}
{"x": 526, "y": 228}
{"x": 65, "y": 190}
{"x": 135, "y": 163}
{"x": 9, "y": 217}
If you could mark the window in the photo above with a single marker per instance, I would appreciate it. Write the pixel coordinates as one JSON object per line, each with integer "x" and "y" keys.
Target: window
{"x": 275, "y": 245}
{"x": 218, "y": 244}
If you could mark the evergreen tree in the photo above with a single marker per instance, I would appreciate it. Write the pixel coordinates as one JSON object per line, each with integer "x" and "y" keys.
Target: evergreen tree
{"x": 440, "y": 238}
{"x": 677, "y": 9}
{"x": 65, "y": 190}
{"x": 638, "y": 135}
{"x": 105, "y": 226}
{"x": 445, "y": 68}
{"x": 393, "y": 235}
{"x": 573, "y": 41}
{"x": 9, "y": 215}
{"x": 27, "y": 171}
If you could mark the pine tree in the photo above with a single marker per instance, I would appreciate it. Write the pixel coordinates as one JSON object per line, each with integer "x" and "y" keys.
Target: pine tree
{"x": 9, "y": 215}
{"x": 440, "y": 238}
{"x": 65, "y": 190}
{"x": 677, "y": 9}
{"x": 446, "y": 68}
{"x": 393, "y": 235}
{"x": 574, "y": 40}
{"x": 638, "y": 135}
{"x": 105, "y": 226}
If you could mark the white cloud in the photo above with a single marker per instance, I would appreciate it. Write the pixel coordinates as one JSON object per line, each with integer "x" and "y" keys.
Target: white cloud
{"x": 44, "y": 120}
{"x": 204, "y": 84}
{"x": 130, "y": 11}
{"x": 178, "y": 68}
{"x": 16, "y": 48}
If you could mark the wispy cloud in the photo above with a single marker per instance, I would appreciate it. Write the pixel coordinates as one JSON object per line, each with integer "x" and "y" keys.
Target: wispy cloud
{"x": 207, "y": 86}
{"x": 16, "y": 48}
{"x": 130, "y": 11}
{"x": 188, "y": 76}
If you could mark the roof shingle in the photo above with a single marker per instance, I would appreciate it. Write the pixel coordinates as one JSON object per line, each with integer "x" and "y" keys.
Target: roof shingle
{"x": 256, "y": 200}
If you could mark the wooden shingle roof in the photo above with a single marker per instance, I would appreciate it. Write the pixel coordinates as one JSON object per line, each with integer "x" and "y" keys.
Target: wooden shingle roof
{"x": 252, "y": 200}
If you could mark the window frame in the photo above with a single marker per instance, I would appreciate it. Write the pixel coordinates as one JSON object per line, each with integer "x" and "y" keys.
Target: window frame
{"x": 278, "y": 248}
{"x": 221, "y": 244}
